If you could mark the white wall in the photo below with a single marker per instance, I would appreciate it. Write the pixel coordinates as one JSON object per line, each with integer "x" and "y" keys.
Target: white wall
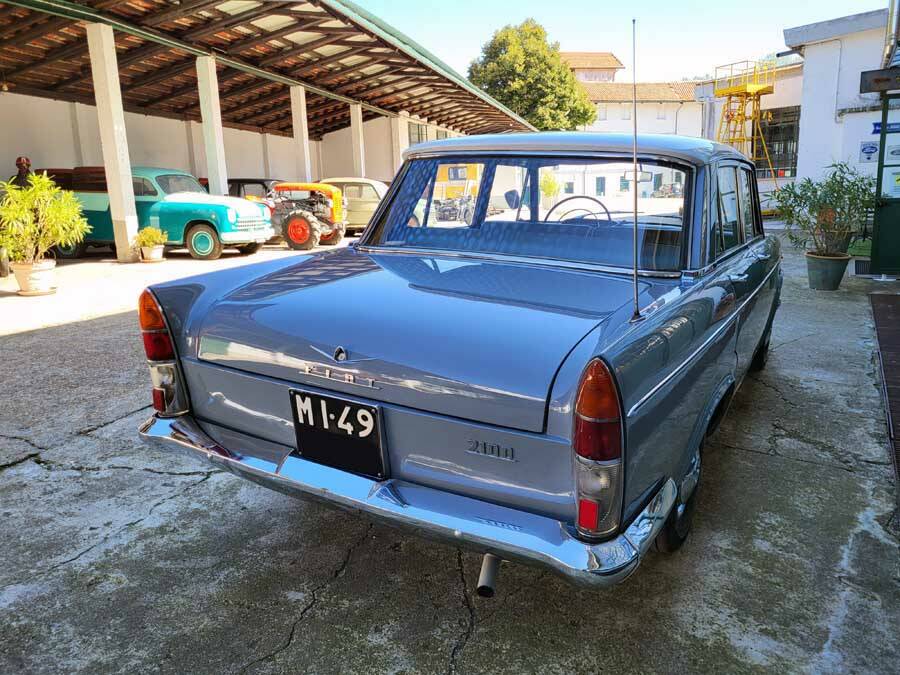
{"x": 687, "y": 117}
{"x": 830, "y": 87}
{"x": 57, "y": 134}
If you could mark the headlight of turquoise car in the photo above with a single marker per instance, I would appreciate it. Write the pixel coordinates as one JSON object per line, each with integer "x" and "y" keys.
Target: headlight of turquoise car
{"x": 231, "y": 214}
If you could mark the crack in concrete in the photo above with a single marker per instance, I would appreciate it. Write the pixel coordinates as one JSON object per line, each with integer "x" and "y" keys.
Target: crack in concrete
{"x": 21, "y": 460}
{"x": 787, "y": 342}
{"x": 339, "y": 572}
{"x": 129, "y": 524}
{"x": 91, "y": 429}
{"x": 463, "y": 639}
{"x": 24, "y": 439}
{"x": 825, "y": 465}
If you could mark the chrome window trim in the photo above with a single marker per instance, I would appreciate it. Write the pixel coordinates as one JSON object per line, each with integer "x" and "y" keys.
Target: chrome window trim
{"x": 718, "y": 331}
{"x": 517, "y": 259}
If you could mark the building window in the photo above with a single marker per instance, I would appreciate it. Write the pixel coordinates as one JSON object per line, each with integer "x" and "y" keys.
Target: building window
{"x": 600, "y": 186}
{"x": 601, "y": 112}
{"x": 626, "y": 111}
{"x": 440, "y": 134}
{"x": 569, "y": 187}
{"x": 661, "y": 112}
{"x": 457, "y": 173}
{"x": 417, "y": 133}
{"x": 624, "y": 185}
{"x": 781, "y": 130}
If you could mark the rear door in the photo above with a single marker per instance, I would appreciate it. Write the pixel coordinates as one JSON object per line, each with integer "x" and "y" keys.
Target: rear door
{"x": 362, "y": 200}
{"x": 145, "y": 196}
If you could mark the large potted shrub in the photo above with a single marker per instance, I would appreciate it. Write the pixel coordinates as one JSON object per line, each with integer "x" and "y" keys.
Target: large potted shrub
{"x": 151, "y": 241}
{"x": 33, "y": 220}
{"x": 822, "y": 217}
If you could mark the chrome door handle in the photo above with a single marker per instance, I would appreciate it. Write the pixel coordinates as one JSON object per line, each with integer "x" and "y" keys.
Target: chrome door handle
{"x": 738, "y": 277}
{"x": 763, "y": 256}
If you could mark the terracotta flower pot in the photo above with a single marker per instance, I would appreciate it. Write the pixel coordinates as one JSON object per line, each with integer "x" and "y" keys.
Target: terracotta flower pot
{"x": 35, "y": 278}
{"x": 825, "y": 272}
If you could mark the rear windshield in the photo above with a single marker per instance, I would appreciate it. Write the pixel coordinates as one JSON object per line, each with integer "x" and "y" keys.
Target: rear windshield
{"x": 178, "y": 182}
{"x": 546, "y": 207}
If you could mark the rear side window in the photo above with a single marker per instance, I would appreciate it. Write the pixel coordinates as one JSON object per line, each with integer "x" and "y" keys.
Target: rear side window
{"x": 142, "y": 187}
{"x": 748, "y": 210}
{"x": 729, "y": 217}
{"x": 254, "y": 190}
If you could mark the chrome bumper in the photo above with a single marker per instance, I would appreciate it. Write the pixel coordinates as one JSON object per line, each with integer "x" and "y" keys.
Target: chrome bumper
{"x": 508, "y": 533}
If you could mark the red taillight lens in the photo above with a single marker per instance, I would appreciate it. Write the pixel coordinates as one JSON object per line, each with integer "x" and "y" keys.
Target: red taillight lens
{"x": 158, "y": 346}
{"x": 159, "y": 400}
{"x": 588, "y": 514}
{"x": 598, "y": 427}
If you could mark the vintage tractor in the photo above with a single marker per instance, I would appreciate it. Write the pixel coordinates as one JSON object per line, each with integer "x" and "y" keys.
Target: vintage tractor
{"x": 309, "y": 214}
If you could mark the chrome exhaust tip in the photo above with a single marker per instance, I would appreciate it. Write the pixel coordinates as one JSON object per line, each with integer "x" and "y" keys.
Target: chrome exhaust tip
{"x": 490, "y": 567}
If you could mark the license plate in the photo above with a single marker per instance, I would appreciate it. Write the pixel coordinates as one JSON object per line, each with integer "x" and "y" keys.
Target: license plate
{"x": 338, "y": 433}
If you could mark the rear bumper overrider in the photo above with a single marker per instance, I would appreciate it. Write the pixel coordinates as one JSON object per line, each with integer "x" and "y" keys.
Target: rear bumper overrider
{"x": 462, "y": 521}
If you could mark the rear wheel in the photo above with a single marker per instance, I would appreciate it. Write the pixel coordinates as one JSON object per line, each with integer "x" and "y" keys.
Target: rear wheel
{"x": 678, "y": 525}
{"x": 334, "y": 238}
{"x": 249, "y": 249}
{"x": 71, "y": 251}
{"x": 203, "y": 242}
{"x": 762, "y": 354}
{"x": 302, "y": 231}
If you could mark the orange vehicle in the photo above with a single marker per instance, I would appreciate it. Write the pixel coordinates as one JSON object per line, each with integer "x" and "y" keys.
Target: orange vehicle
{"x": 309, "y": 214}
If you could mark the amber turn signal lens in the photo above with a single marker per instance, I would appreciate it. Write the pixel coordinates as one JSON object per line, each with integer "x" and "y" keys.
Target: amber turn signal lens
{"x": 149, "y": 313}
{"x": 597, "y": 397}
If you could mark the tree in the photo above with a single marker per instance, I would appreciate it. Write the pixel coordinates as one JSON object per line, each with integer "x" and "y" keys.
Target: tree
{"x": 523, "y": 71}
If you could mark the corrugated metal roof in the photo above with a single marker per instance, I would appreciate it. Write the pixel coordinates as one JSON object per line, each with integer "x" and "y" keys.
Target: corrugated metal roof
{"x": 591, "y": 60}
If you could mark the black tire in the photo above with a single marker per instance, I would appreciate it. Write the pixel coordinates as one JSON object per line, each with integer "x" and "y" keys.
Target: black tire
{"x": 203, "y": 243}
{"x": 302, "y": 230}
{"x": 334, "y": 238}
{"x": 249, "y": 249}
{"x": 761, "y": 356}
{"x": 73, "y": 251}
{"x": 677, "y": 527}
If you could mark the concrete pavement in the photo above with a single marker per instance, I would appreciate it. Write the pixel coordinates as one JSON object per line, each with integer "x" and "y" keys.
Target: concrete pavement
{"x": 118, "y": 558}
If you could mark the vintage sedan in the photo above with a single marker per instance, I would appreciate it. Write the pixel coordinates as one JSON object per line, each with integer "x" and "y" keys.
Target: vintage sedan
{"x": 490, "y": 383}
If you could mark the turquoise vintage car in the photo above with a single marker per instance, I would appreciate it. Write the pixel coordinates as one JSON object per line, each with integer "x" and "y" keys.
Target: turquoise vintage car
{"x": 175, "y": 202}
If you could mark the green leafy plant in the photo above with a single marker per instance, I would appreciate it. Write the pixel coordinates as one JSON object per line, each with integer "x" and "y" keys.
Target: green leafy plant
{"x": 524, "y": 71}
{"x": 151, "y": 236}
{"x": 35, "y": 218}
{"x": 823, "y": 216}
{"x": 549, "y": 185}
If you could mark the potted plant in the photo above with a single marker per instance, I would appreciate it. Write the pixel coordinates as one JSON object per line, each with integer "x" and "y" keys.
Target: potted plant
{"x": 822, "y": 218}
{"x": 151, "y": 241}
{"x": 33, "y": 220}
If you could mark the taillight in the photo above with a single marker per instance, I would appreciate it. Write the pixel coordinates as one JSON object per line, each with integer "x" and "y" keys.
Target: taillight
{"x": 597, "y": 443}
{"x": 168, "y": 394}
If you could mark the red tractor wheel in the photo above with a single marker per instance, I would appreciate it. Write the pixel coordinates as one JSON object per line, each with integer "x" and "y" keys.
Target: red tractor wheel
{"x": 302, "y": 231}
{"x": 333, "y": 237}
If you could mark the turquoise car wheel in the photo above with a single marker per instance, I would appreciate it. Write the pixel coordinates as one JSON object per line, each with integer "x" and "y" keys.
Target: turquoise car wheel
{"x": 203, "y": 242}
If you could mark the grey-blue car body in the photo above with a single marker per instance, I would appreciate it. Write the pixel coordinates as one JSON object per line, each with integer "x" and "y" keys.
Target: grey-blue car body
{"x": 472, "y": 348}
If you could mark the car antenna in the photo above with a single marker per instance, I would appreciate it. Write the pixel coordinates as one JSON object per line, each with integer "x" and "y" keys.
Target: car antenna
{"x": 634, "y": 175}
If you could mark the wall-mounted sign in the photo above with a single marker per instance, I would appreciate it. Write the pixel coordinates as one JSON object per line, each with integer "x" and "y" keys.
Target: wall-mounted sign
{"x": 892, "y": 127}
{"x": 868, "y": 152}
{"x": 892, "y": 154}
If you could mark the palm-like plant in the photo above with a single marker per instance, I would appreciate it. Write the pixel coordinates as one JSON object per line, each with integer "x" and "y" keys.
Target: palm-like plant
{"x": 35, "y": 218}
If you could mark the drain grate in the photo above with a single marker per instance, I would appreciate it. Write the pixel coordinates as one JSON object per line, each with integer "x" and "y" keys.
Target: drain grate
{"x": 886, "y": 311}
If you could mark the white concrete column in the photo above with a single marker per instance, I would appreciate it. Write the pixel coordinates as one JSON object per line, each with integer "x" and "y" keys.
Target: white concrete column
{"x": 399, "y": 138}
{"x": 301, "y": 133}
{"x": 357, "y": 140}
{"x": 113, "y": 140}
{"x": 211, "y": 114}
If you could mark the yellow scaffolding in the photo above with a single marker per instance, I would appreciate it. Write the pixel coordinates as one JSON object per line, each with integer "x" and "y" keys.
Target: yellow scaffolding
{"x": 742, "y": 85}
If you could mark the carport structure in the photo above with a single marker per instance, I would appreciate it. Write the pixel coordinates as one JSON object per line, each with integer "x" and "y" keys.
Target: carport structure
{"x": 297, "y": 69}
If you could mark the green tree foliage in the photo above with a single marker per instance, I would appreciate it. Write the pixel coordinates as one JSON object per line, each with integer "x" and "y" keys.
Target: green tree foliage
{"x": 36, "y": 218}
{"x": 523, "y": 71}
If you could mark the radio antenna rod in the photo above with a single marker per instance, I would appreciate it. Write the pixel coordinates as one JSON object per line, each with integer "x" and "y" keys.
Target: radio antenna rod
{"x": 634, "y": 177}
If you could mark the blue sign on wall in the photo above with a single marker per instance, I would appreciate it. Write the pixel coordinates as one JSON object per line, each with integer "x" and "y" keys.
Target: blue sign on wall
{"x": 892, "y": 128}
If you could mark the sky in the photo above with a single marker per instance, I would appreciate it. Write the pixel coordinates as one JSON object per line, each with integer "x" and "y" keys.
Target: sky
{"x": 675, "y": 40}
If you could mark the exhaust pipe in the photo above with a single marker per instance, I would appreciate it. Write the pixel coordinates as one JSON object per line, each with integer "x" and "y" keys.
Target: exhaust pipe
{"x": 490, "y": 566}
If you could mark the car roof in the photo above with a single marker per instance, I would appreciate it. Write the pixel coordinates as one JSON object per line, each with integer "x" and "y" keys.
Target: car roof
{"x": 153, "y": 172}
{"x": 689, "y": 149}
{"x": 255, "y": 180}
{"x": 354, "y": 179}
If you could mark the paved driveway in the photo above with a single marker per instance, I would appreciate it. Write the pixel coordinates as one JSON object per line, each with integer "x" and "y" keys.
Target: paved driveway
{"x": 117, "y": 558}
